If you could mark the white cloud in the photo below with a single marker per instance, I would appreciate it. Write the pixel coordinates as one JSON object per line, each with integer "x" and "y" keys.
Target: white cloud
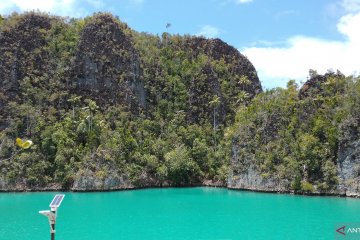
{"x": 238, "y": 2}
{"x": 277, "y": 65}
{"x": 46, "y": 6}
{"x": 209, "y": 31}
{"x": 5, "y": 6}
{"x": 243, "y": 1}
{"x": 351, "y": 5}
{"x": 59, "y": 7}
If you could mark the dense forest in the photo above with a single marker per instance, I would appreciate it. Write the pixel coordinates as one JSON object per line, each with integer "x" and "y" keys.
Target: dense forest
{"x": 109, "y": 108}
{"x": 302, "y": 140}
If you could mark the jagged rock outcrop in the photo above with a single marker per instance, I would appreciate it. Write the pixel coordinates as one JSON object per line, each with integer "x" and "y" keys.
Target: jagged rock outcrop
{"x": 4, "y": 185}
{"x": 303, "y": 142}
{"x": 238, "y": 66}
{"x": 313, "y": 86}
{"x": 24, "y": 58}
{"x": 348, "y": 166}
{"x": 348, "y": 154}
{"x": 22, "y": 51}
{"x": 88, "y": 180}
{"x": 106, "y": 65}
{"x": 251, "y": 179}
{"x": 245, "y": 174}
{"x": 74, "y": 86}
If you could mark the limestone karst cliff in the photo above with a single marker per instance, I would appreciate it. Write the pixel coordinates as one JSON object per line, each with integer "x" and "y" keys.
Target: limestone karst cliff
{"x": 300, "y": 140}
{"x": 108, "y": 107}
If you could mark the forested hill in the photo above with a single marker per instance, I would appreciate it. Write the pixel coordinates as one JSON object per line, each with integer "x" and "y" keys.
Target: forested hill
{"x": 302, "y": 140}
{"x": 108, "y": 107}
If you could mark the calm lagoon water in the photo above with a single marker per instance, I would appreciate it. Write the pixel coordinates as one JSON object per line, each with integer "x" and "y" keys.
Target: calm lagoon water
{"x": 176, "y": 213}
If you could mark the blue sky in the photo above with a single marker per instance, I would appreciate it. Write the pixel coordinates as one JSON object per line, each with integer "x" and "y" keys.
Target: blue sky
{"x": 282, "y": 38}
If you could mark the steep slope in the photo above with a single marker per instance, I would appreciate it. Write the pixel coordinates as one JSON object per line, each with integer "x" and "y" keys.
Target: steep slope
{"x": 106, "y": 65}
{"x": 24, "y": 58}
{"x": 242, "y": 77}
{"x": 110, "y": 108}
{"x": 300, "y": 141}
{"x": 23, "y": 52}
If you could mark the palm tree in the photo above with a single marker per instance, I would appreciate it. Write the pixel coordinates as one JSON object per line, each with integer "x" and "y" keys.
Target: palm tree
{"x": 242, "y": 97}
{"x": 74, "y": 100}
{"x": 244, "y": 81}
{"x": 215, "y": 103}
{"x": 92, "y": 107}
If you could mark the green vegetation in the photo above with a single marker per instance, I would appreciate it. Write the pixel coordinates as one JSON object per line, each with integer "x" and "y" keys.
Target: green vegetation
{"x": 298, "y": 136}
{"x": 99, "y": 99}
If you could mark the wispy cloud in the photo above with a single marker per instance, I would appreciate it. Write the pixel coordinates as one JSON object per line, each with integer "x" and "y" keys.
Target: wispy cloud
{"x": 341, "y": 7}
{"x": 243, "y": 1}
{"x": 74, "y": 8}
{"x": 238, "y": 2}
{"x": 265, "y": 43}
{"x": 277, "y": 65}
{"x": 96, "y": 3}
{"x": 351, "y": 5}
{"x": 209, "y": 31}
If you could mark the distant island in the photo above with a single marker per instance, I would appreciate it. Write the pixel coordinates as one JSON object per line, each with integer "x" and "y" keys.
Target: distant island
{"x": 109, "y": 108}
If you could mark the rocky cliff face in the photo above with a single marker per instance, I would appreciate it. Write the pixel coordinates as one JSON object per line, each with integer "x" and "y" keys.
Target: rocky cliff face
{"x": 348, "y": 155}
{"x": 304, "y": 141}
{"x": 106, "y": 65}
{"x": 22, "y": 51}
{"x": 244, "y": 173}
{"x": 144, "y": 83}
{"x": 23, "y": 58}
{"x": 88, "y": 180}
{"x": 219, "y": 50}
{"x": 314, "y": 86}
{"x": 348, "y": 165}
{"x": 251, "y": 179}
{"x": 239, "y": 67}
{"x": 75, "y": 86}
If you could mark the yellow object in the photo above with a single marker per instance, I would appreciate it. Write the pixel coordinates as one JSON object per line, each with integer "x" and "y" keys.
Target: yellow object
{"x": 19, "y": 142}
{"x": 27, "y": 144}
{"x": 24, "y": 144}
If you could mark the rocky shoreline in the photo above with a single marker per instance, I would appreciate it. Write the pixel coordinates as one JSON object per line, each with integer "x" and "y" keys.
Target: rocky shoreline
{"x": 208, "y": 183}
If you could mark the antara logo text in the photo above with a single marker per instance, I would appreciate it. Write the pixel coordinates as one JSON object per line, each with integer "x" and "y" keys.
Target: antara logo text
{"x": 348, "y": 230}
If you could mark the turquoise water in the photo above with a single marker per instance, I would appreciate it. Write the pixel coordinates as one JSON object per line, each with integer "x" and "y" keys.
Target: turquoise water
{"x": 181, "y": 213}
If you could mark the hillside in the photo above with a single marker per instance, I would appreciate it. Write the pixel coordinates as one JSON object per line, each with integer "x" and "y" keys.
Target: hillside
{"x": 300, "y": 140}
{"x": 108, "y": 107}
{"x": 111, "y": 108}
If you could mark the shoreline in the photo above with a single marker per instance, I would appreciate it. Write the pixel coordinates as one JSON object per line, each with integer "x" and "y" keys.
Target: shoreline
{"x": 290, "y": 192}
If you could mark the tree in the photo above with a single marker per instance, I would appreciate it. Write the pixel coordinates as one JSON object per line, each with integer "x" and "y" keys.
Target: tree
{"x": 74, "y": 101}
{"x": 242, "y": 97}
{"x": 244, "y": 82}
{"x": 214, "y": 103}
{"x": 92, "y": 107}
{"x": 182, "y": 169}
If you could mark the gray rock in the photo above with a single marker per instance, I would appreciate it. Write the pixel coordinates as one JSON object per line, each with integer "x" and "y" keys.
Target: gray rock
{"x": 252, "y": 180}
{"x": 89, "y": 181}
{"x": 349, "y": 158}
